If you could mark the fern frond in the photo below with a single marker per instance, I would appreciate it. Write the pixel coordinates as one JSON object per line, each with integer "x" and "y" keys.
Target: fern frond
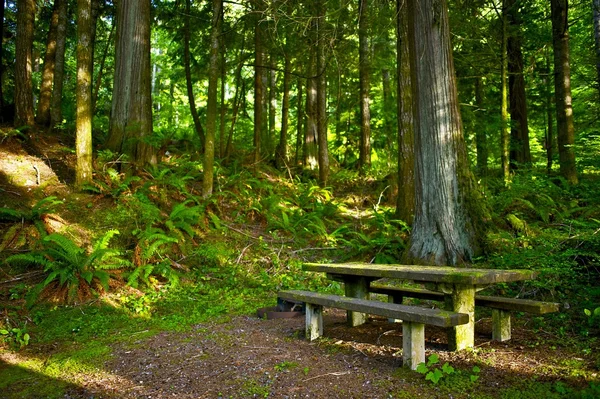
{"x": 10, "y": 215}
{"x": 105, "y": 240}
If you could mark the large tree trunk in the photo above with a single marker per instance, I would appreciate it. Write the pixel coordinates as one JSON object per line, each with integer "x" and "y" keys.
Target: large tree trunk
{"x": 445, "y": 226}
{"x": 188, "y": 75}
{"x": 59, "y": 64}
{"x": 24, "y": 63}
{"x": 43, "y": 106}
{"x": 211, "y": 108}
{"x": 520, "y": 153}
{"x": 596, "y": 5}
{"x": 131, "y": 115}
{"x": 405, "y": 203}
{"x": 322, "y": 96}
{"x": 364, "y": 71}
{"x": 83, "y": 121}
{"x": 562, "y": 90}
{"x": 260, "y": 82}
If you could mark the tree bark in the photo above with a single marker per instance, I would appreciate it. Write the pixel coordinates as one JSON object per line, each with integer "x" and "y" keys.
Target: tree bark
{"x": 405, "y": 202}
{"x": 211, "y": 108}
{"x": 562, "y": 90}
{"x": 446, "y": 217}
{"x": 272, "y": 85}
{"x": 520, "y": 153}
{"x": 26, "y": 10}
{"x": 321, "y": 95}
{"x": 260, "y": 81}
{"x": 43, "y": 109}
{"x": 100, "y": 74}
{"x": 504, "y": 131}
{"x": 549, "y": 136}
{"x": 364, "y": 70}
{"x": 188, "y": 75}
{"x": 2, "y": 52}
{"x": 281, "y": 154}
{"x": 299, "y": 120}
{"x": 83, "y": 121}
{"x": 59, "y": 64}
{"x": 596, "y": 5}
{"x": 131, "y": 115}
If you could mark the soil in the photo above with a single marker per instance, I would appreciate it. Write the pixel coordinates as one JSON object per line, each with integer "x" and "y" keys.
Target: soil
{"x": 246, "y": 356}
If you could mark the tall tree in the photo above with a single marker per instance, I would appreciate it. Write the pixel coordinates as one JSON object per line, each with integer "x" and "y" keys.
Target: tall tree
{"x": 131, "y": 115}
{"x": 59, "y": 64}
{"x": 1, "y": 58}
{"x": 311, "y": 130}
{"x": 562, "y": 90}
{"x": 504, "y": 131}
{"x": 187, "y": 59}
{"x": 596, "y": 5}
{"x": 364, "y": 70}
{"x": 321, "y": 93}
{"x": 260, "y": 80}
{"x": 43, "y": 107}
{"x": 83, "y": 122}
{"x": 447, "y": 216}
{"x": 520, "y": 153}
{"x": 281, "y": 156}
{"x": 211, "y": 108}
{"x": 405, "y": 203}
{"x": 26, "y": 10}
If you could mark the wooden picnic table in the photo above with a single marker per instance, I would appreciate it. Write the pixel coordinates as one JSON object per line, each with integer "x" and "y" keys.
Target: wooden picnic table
{"x": 458, "y": 285}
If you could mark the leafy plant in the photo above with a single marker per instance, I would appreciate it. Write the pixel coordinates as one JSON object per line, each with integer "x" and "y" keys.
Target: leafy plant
{"x": 71, "y": 266}
{"x": 432, "y": 371}
{"x": 16, "y": 335}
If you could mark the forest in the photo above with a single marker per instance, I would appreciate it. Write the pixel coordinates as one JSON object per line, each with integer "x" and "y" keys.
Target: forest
{"x": 168, "y": 166}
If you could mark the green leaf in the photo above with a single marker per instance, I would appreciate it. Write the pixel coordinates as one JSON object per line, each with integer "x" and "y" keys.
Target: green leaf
{"x": 422, "y": 368}
{"x": 4, "y": 332}
{"x": 434, "y": 376}
{"x": 587, "y": 312}
{"x": 474, "y": 378}
{"x": 446, "y": 368}
{"x": 433, "y": 359}
{"x": 476, "y": 369}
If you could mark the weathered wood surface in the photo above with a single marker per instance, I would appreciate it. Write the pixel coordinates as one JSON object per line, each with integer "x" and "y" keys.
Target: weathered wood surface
{"x": 434, "y": 274}
{"x": 494, "y": 302}
{"x": 415, "y": 314}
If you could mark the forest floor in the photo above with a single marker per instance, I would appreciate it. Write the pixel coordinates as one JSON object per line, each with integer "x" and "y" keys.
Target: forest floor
{"x": 243, "y": 356}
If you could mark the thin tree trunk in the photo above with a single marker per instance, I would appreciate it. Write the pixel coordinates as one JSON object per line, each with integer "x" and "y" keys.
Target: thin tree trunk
{"x": 310, "y": 151}
{"x": 388, "y": 109}
{"x": 1, "y": 52}
{"x": 211, "y": 108}
{"x": 59, "y": 64}
{"x": 101, "y": 68}
{"x": 260, "y": 82}
{"x": 446, "y": 217}
{"x": 281, "y": 156}
{"x": 520, "y": 154}
{"x": 481, "y": 134}
{"x": 549, "y": 136}
{"x": 405, "y": 203}
{"x": 26, "y": 10}
{"x": 223, "y": 108}
{"x": 83, "y": 121}
{"x": 364, "y": 70}
{"x": 505, "y": 123}
{"x": 272, "y": 85}
{"x": 131, "y": 114}
{"x": 43, "y": 109}
{"x": 321, "y": 95}
{"x": 299, "y": 120}
{"x": 596, "y": 5}
{"x": 562, "y": 90}
{"x": 188, "y": 75}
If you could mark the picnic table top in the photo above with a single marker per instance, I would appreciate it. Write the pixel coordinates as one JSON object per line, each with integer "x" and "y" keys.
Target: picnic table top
{"x": 434, "y": 274}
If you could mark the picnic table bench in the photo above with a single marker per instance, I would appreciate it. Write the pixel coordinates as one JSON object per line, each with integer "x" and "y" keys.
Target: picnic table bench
{"x": 501, "y": 306}
{"x": 413, "y": 318}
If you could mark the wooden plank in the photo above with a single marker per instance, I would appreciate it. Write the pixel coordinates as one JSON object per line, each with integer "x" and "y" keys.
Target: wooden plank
{"x": 436, "y": 317}
{"x": 434, "y": 274}
{"x": 494, "y": 302}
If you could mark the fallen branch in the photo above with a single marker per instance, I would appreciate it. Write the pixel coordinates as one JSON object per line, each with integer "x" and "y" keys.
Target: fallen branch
{"x": 338, "y": 373}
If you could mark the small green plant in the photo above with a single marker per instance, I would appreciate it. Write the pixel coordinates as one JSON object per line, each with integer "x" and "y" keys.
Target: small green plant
{"x": 285, "y": 366}
{"x": 593, "y": 317}
{"x": 17, "y": 336}
{"x": 432, "y": 371}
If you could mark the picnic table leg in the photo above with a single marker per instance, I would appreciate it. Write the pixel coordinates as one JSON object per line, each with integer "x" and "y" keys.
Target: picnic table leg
{"x": 500, "y": 325}
{"x": 413, "y": 344}
{"x": 461, "y": 299}
{"x": 314, "y": 321}
{"x": 356, "y": 288}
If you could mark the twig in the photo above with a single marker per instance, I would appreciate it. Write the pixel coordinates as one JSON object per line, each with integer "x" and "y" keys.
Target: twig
{"x": 338, "y": 373}
{"x": 37, "y": 171}
{"x": 237, "y": 262}
{"x": 314, "y": 249}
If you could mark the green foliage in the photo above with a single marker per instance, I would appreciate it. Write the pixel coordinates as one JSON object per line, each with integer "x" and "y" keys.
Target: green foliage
{"x": 71, "y": 266}
{"x": 16, "y": 336}
{"x": 34, "y": 215}
{"x": 435, "y": 372}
